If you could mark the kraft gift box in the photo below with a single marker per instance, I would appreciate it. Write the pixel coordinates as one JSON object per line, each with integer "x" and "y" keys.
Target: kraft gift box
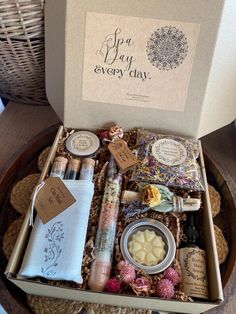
{"x": 116, "y": 61}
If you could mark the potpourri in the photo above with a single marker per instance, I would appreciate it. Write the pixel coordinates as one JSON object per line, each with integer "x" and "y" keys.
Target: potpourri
{"x": 167, "y": 159}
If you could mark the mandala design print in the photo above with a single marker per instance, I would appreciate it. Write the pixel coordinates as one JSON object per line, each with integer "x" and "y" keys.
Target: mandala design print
{"x": 167, "y": 48}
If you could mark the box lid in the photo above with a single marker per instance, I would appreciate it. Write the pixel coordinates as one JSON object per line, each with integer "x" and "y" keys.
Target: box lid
{"x": 134, "y": 63}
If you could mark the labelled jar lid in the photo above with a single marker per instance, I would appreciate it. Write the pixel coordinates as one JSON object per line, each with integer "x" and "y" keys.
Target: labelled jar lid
{"x": 83, "y": 144}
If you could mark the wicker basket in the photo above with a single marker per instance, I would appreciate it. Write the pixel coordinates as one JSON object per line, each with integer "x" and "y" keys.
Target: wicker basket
{"x": 22, "y": 75}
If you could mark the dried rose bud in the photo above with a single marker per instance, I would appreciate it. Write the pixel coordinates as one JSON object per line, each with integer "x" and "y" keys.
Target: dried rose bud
{"x": 151, "y": 195}
{"x": 165, "y": 289}
{"x": 103, "y": 134}
{"x": 116, "y": 132}
{"x": 141, "y": 284}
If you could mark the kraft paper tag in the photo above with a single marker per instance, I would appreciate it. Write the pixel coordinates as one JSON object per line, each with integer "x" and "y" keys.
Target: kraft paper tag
{"x": 53, "y": 199}
{"x": 122, "y": 154}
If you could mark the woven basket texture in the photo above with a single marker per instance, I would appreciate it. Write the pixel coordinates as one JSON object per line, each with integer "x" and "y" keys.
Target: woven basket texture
{"x": 22, "y": 70}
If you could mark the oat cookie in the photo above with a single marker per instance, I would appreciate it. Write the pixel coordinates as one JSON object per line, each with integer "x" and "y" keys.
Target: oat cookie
{"x": 215, "y": 200}
{"x": 221, "y": 244}
{"x": 21, "y": 193}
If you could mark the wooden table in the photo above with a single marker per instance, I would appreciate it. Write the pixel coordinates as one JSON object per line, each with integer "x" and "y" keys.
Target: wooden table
{"x": 20, "y": 123}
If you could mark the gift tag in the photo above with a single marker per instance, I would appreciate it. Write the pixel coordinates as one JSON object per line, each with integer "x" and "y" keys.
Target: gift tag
{"x": 52, "y": 199}
{"x": 122, "y": 154}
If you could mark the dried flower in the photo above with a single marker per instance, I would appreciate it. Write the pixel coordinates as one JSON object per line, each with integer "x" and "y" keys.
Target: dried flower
{"x": 165, "y": 289}
{"x": 113, "y": 285}
{"x": 171, "y": 274}
{"x": 151, "y": 195}
{"x": 127, "y": 271}
{"x": 116, "y": 132}
{"x": 141, "y": 285}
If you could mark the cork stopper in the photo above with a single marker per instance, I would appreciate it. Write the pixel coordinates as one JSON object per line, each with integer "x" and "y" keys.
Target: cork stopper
{"x": 61, "y": 159}
{"x": 89, "y": 161}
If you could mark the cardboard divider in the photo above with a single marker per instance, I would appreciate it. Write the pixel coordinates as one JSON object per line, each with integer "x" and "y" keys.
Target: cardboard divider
{"x": 215, "y": 286}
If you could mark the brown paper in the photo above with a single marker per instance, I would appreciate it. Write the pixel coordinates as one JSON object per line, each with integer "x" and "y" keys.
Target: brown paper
{"x": 53, "y": 199}
{"x": 122, "y": 154}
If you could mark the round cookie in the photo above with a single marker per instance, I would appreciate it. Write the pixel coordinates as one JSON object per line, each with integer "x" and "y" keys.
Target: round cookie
{"x": 10, "y": 236}
{"x": 43, "y": 157}
{"x": 221, "y": 244}
{"x": 21, "y": 193}
{"x": 39, "y": 305}
{"x": 215, "y": 200}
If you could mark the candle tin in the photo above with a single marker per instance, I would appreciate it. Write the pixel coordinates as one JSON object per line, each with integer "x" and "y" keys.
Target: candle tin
{"x": 83, "y": 144}
{"x": 160, "y": 230}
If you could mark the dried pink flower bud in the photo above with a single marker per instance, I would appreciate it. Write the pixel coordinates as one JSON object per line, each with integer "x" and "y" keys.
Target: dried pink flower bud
{"x": 171, "y": 274}
{"x": 113, "y": 285}
{"x": 127, "y": 271}
{"x": 165, "y": 289}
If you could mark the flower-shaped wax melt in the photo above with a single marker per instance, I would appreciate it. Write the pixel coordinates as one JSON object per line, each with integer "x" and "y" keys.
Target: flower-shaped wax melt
{"x": 147, "y": 244}
{"x": 147, "y": 248}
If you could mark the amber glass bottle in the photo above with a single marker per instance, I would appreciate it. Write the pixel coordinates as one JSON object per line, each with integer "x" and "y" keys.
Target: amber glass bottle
{"x": 193, "y": 262}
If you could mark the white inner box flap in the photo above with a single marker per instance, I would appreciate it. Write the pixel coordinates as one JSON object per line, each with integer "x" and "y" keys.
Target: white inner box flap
{"x": 134, "y": 62}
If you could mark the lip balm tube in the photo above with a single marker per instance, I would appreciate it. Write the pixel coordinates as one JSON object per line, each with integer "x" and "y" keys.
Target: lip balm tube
{"x": 72, "y": 171}
{"x": 87, "y": 169}
{"x": 105, "y": 237}
{"x": 59, "y": 167}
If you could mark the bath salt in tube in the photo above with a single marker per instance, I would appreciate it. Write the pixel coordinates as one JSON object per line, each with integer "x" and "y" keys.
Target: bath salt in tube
{"x": 72, "y": 171}
{"x": 59, "y": 167}
{"x": 105, "y": 237}
{"x": 87, "y": 169}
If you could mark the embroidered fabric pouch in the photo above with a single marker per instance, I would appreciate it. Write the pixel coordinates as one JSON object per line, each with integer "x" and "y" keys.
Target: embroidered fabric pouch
{"x": 55, "y": 249}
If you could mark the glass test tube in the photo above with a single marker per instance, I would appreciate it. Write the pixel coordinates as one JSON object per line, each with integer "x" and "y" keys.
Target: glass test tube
{"x": 87, "y": 169}
{"x": 72, "y": 172}
{"x": 59, "y": 167}
{"x": 105, "y": 237}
